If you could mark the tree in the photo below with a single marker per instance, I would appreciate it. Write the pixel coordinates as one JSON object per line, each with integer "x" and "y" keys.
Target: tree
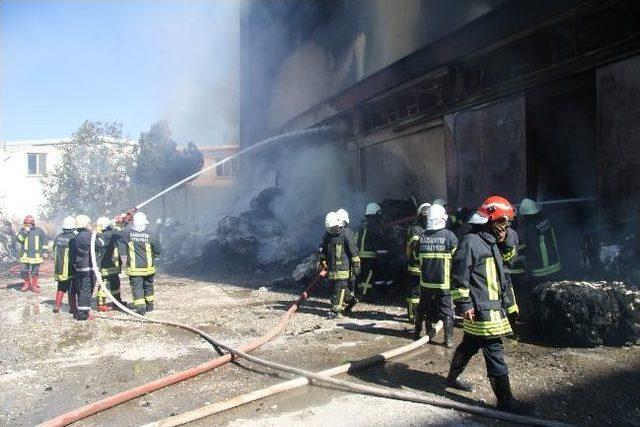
{"x": 93, "y": 174}
{"x": 160, "y": 163}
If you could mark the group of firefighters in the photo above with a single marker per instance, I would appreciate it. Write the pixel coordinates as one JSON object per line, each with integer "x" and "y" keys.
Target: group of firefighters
{"x": 474, "y": 271}
{"x": 74, "y": 269}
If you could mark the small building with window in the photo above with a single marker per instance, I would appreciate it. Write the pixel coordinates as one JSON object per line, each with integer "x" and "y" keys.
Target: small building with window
{"x": 23, "y": 164}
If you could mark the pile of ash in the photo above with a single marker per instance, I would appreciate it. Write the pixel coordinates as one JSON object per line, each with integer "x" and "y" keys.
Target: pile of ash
{"x": 8, "y": 242}
{"x": 587, "y": 314}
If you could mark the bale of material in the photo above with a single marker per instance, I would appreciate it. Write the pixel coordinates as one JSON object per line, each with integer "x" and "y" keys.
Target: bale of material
{"x": 8, "y": 245}
{"x": 587, "y": 314}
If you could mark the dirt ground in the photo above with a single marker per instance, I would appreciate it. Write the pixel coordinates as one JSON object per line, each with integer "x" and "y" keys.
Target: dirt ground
{"x": 50, "y": 364}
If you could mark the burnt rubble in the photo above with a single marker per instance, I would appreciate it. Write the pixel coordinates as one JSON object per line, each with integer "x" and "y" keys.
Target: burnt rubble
{"x": 8, "y": 242}
{"x": 587, "y": 314}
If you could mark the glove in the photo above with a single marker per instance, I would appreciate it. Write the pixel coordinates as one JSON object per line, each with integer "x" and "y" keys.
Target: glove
{"x": 322, "y": 266}
{"x": 355, "y": 268}
{"x": 514, "y": 317}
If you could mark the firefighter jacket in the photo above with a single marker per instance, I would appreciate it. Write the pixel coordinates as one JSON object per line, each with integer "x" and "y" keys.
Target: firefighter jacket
{"x": 413, "y": 246}
{"x": 142, "y": 249}
{"x": 509, "y": 250}
{"x": 32, "y": 241}
{"x": 478, "y": 282}
{"x": 540, "y": 246}
{"x": 62, "y": 262}
{"x": 340, "y": 254}
{"x": 80, "y": 250}
{"x": 110, "y": 260}
{"x": 436, "y": 251}
{"x": 370, "y": 238}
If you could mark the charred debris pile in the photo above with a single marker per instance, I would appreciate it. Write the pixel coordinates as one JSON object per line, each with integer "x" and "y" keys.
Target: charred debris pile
{"x": 8, "y": 242}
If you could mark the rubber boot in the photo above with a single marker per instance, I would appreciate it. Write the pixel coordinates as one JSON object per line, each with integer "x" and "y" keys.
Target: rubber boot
{"x": 458, "y": 363}
{"x": 417, "y": 327}
{"x": 104, "y": 307}
{"x": 432, "y": 331}
{"x": 26, "y": 285}
{"x": 149, "y": 305}
{"x": 34, "y": 284}
{"x": 141, "y": 310}
{"x": 448, "y": 332}
{"x": 505, "y": 400}
{"x": 349, "y": 307}
{"x": 58, "y": 302}
{"x": 411, "y": 313}
{"x": 72, "y": 298}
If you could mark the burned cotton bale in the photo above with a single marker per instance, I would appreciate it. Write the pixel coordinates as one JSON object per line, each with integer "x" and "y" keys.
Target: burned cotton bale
{"x": 587, "y": 314}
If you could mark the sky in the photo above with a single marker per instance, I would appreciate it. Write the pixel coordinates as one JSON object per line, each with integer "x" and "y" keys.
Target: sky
{"x": 132, "y": 61}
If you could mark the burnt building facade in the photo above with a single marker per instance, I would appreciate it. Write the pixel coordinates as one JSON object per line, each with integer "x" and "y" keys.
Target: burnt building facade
{"x": 457, "y": 99}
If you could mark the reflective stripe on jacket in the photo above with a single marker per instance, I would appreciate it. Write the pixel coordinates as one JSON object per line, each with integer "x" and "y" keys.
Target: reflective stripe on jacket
{"x": 340, "y": 252}
{"x": 32, "y": 241}
{"x": 436, "y": 251}
{"x": 110, "y": 262}
{"x": 141, "y": 251}
{"x": 370, "y": 238}
{"x": 62, "y": 263}
{"x": 413, "y": 247}
{"x": 509, "y": 251}
{"x": 478, "y": 282}
{"x": 542, "y": 257}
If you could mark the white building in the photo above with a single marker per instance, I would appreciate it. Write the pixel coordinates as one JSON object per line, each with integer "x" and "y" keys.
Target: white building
{"x": 23, "y": 164}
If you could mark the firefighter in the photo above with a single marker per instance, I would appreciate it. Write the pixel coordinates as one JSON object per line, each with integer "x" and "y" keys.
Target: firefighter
{"x": 509, "y": 250}
{"x": 110, "y": 262}
{"x": 142, "y": 249}
{"x": 437, "y": 246}
{"x": 63, "y": 265}
{"x": 32, "y": 239}
{"x": 479, "y": 291}
{"x": 371, "y": 246}
{"x": 338, "y": 255}
{"x": 343, "y": 217}
{"x": 539, "y": 245}
{"x": 453, "y": 222}
{"x": 414, "y": 231}
{"x": 85, "y": 279}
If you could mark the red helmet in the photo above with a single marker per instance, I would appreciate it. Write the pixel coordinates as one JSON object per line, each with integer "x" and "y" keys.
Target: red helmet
{"x": 28, "y": 220}
{"x": 493, "y": 208}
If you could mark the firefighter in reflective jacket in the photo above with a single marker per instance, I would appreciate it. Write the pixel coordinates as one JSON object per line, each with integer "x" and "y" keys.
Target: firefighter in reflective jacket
{"x": 414, "y": 231}
{"x": 479, "y": 292}
{"x": 371, "y": 246}
{"x": 63, "y": 265}
{"x": 343, "y": 217}
{"x": 32, "y": 239}
{"x": 509, "y": 250}
{"x": 339, "y": 257}
{"x": 110, "y": 262}
{"x": 437, "y": 246}
{"x": 539, "y": 247}
{"x": 85, "y": 279}
{"x": 142, "y": 249}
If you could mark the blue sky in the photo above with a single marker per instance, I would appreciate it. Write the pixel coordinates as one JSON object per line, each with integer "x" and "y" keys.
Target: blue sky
{"x": 132, "y": 61}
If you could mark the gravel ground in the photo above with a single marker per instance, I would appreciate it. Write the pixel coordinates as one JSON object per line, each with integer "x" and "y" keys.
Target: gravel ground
{"x": 50, "y": 364}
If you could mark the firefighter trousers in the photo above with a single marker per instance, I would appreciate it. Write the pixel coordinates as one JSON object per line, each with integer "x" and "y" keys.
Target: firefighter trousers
{"x": 112, "y": 282}
{"x": 29, "y": 270}
{"x": 142, "y": 290}
{"x": 64, "y": 285}
{"x": 85, "y": 283}
{"x": 413, "y": 295}
{"x": 342, "y": 296}
{"x": 492, "y": 350}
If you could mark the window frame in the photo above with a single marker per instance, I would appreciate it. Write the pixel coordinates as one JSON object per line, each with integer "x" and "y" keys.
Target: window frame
{"x": 40, "y": 165}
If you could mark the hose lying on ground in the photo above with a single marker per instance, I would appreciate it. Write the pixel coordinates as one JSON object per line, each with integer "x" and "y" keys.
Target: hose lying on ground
{"x": 111, "y": 401}
{"x": 218, "y": 407}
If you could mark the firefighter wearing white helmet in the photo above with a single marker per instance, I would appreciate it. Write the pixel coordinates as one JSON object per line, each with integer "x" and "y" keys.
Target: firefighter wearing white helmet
{"x": 84, "y": 275}
{"x": 110, "y": 262}
{"x": 413, "y": 265}
{"x": 338, "y": 256}
{"x": 343, "y": 215}
{"x": 539, "y": 254}
{"x": 437, "y": 246}
{"x": 372, "y": 246}
{"x": 453, "y": 222}
{"x": 63, "y": 265}
{"x": 142, "y": 250}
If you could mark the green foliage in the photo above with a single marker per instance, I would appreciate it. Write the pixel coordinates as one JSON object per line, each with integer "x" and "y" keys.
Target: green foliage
{"x": 160, "y": 163}
{"x": 93, "y": 174}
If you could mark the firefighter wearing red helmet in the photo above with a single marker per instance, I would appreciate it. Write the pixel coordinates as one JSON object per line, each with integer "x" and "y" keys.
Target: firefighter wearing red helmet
{"x": 481, "y": 294}
{"x": 32, "y": 239}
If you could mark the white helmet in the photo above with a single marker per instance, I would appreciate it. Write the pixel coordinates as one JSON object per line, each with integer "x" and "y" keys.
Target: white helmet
{"x": 437, "y": 218}
{"x": 103, "y": 222}
{"x": 82, "y": 221}
{"x": 372, "y": 209}
{"x": 441, "y": 202}
{"x": 423, "y": 209}
{"x": 528, "y": 207}
{"x": 332, "y": 220}
{"x": 343, "y": 215}
{"x": 140, "y": 221}
{"x": 68, "y": 223}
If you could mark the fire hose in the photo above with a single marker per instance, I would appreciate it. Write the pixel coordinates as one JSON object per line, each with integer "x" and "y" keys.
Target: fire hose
{"x": 111, "y": 401}
{"x": 345, "y": 385}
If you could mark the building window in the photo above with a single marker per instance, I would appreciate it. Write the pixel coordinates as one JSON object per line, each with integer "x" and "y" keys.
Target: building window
{"x": 227, "y": 169}
{"x": 36, "y": 164}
